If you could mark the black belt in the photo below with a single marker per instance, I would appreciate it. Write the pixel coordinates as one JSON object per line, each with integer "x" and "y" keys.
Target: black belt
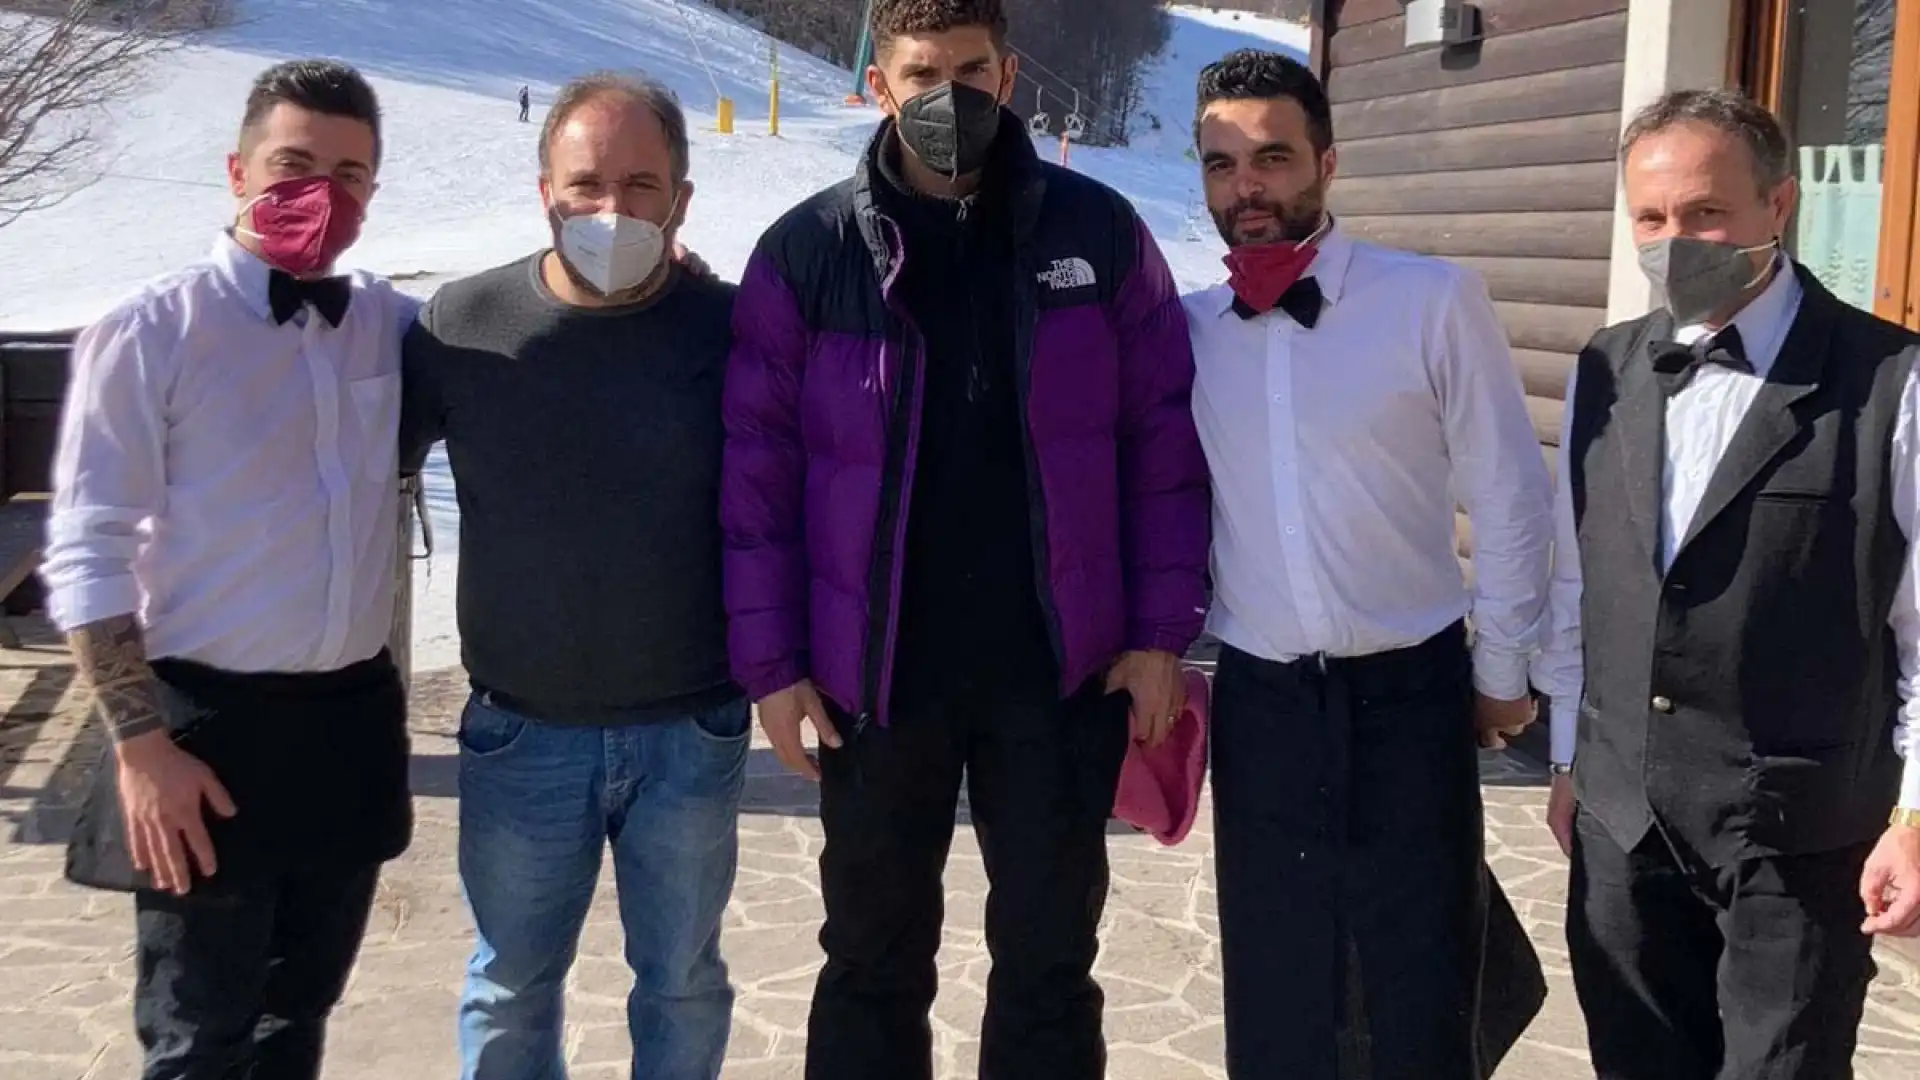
{"x": 191, "y": 676}
{"x": 602, "y": 715}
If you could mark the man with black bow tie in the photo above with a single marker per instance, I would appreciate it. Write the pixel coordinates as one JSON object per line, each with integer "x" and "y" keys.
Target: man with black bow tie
{"x": 1346, "y": 394}
{"x": 221, "y": 554}
{"x": 1738, "y": 486}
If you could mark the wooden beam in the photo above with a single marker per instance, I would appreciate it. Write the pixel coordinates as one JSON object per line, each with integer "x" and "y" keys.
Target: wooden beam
{"x": 1576, "y": 234}
{"x": 1545, "y": 414}
{"x": 1563, "y": 141}
{"x": 1572, "y": 92}
{"x": 1544, "y": 374}
{"x": 1590, "y": 41}
{"x": 1550, "y": 328}
{"x": 1897, "y": 289}
{"x": 1388, "y": 37}
{"x": 1588, "y": 186}
{"x": 1559, "y": 282}
{"x": 1357, "y": 12}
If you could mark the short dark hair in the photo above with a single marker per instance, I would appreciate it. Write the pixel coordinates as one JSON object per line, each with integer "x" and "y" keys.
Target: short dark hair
{"x": 1727, "y": 111}
{"x": 328, "y": 87}
{"x": 631, "y": 89}
{"x": 1257, "y": 75}
{"x": 900, "y": 18}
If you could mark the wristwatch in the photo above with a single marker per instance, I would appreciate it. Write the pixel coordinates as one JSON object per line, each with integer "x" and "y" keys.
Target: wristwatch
{"x": 1557, "y": 769}
{"x": 1905, "y": 815}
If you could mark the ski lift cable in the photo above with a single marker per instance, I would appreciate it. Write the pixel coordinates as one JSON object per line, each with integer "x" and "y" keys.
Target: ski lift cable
{"x": 1056, "y": 76}
{"x": 1040, "y": 89}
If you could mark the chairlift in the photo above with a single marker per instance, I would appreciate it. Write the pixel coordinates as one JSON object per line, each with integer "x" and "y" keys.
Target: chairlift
{"x": 1039, "y": 124}
{"x": 1076, "y": 125}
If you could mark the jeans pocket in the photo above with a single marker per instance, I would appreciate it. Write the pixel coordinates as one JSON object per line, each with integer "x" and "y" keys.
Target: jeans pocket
{"x": 729, "y": 723}
{"x": 486, "y": 730}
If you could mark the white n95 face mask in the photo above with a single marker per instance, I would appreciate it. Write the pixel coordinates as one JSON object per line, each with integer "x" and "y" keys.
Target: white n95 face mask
{"x": 612, "y": 252}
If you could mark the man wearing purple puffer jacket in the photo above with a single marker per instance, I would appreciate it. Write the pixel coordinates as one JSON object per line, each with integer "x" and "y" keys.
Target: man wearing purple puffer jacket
{"x": 965, "y": 515}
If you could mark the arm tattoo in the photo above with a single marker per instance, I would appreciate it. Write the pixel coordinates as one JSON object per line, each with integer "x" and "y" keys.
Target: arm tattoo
{"x": 112, "y": 657}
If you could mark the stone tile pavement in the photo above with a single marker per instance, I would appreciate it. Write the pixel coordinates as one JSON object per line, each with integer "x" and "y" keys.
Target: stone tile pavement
{"x": 65, "y": 961}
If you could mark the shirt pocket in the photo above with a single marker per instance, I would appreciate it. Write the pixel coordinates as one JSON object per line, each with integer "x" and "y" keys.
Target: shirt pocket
{"x": 376, "y": 401}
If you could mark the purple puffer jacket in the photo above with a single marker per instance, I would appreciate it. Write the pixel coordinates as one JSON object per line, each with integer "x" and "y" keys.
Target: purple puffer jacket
{"x": 823, "y": 409}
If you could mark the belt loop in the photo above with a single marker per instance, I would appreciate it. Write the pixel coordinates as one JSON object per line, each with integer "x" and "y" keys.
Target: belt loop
{"x": 1320, "y": 658}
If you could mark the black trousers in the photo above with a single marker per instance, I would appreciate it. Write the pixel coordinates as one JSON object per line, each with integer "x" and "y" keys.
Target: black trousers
{"x": 237, "y": 977}
{"x": 1755, "y": 971}
{"x": 1348, "y": 848}
{"x": 1040, "y": 784}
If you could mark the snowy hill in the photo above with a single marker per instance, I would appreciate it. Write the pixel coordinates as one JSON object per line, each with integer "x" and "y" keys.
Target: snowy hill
{"x": 457, "y": 188}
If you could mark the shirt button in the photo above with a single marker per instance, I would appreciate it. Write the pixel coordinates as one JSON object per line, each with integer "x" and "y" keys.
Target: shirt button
{"x": 1290, "y": 530}
{"x": 1663, "y": 704}
{"x": 1279, "y": 397}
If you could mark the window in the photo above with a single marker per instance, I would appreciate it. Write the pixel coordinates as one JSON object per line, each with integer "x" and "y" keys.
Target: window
{"x": 1826, "y": 68}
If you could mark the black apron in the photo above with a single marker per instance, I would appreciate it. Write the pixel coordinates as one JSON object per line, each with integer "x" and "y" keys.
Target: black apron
{"x": 1363, "y": 936}
{"x": 316, "y": 765}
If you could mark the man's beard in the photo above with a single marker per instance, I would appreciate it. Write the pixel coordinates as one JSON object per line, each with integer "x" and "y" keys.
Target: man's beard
{"x": 1293, "y": 223}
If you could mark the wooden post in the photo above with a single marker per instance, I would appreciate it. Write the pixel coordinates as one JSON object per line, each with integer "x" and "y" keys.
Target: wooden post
{"x": 400, "y": 639}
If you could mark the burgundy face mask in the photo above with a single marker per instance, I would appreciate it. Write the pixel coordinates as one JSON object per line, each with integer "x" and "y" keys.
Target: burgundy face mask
{"x": 303, "y": 224}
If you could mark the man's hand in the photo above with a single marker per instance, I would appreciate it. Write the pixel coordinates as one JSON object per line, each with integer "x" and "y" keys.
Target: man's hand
{"x": 1890, "y": 884}
{"x": 163, "y": 789}
{"x": 1158, "y": 690}
{"x": 694, "y": 264}
{"x": 1497, "y": 720}
{"x": 780, "y": 716}
{"x": 163, "y": 794}
{"x": 1560, "y": 813}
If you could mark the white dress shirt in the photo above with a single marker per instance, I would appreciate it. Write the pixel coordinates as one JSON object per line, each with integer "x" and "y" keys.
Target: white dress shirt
{"x": 1700, "y": 422}
{"x": 230, "y": 479}
{"x": 1338, "y": 454}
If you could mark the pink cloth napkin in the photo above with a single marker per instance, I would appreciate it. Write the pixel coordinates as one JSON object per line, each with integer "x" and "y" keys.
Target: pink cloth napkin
{"x": 1159, "y": 788}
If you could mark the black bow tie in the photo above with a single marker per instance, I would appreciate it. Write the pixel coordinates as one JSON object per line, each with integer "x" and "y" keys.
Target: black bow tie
{"x": 1677, "y": 364}
{"x": 1302, "y": 301}
{"x": 287, "y": 294}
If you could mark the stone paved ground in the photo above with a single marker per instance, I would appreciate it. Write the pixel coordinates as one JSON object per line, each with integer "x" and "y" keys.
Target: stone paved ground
{"x": 65, "y": 963}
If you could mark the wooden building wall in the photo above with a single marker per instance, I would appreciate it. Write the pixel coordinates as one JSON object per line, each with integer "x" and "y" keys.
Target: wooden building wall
{"x": 1498, "y": 155}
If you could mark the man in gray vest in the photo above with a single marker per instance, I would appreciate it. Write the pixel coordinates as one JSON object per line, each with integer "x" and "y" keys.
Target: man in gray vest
{"x": 1738, "y": 483}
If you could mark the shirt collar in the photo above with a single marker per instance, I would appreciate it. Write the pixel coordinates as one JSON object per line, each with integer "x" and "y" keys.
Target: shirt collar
{"x": 244, "y": 273}
{"x": 1329, "y": 266}
{"x": 1764, "y": 322}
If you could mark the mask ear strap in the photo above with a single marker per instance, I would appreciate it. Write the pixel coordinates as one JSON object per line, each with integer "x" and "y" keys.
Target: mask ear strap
{"x": 245, "y": 214}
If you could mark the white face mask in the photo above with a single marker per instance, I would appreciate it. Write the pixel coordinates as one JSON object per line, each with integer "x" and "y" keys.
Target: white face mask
{"x": 612, "y": 252}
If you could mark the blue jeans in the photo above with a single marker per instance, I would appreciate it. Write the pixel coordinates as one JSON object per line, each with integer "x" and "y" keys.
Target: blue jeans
{"x": 538, "y": 803}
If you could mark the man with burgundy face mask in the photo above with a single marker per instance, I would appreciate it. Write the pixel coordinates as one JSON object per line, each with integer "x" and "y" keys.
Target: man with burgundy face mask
{"x": 1735, "y": 635}
{"x": 965, "y": 522}
{"x": 221, "y": 554}
{"x": 578, "y": 391}
{"x": 1346, "y": 395}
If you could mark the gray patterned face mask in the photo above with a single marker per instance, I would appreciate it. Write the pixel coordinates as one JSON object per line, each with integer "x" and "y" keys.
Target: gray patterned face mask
{"x": 1699, "y": 278}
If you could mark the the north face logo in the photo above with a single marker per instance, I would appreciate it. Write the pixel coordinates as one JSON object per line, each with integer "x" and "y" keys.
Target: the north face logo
{"x": 1066, "y": 274}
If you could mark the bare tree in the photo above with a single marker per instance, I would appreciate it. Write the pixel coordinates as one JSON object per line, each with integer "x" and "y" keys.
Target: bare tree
{"x": 61, "y": 65}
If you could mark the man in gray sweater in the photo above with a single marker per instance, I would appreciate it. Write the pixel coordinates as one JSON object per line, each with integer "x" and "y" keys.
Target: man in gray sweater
{"x": 578, "y": 392}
